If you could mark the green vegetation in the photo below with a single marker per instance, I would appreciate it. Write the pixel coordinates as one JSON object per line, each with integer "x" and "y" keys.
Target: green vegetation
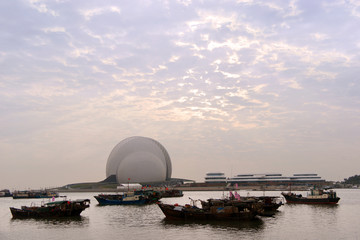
{"x": 91, "y": 185}
{"x": 352, "y": 180}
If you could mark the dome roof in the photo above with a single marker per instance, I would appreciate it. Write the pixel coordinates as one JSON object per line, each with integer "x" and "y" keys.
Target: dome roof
{"x": 141, "y": 159}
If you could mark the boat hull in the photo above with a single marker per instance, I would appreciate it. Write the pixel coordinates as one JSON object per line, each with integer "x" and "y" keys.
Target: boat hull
{"x": 104, "y": 201}
{"x": 194, "y": 213}
{"x": 129, "y": 198}
{"x": 304, "y": 200}
{"x": 52, "y": 210}
{"x": 20, "y": 213}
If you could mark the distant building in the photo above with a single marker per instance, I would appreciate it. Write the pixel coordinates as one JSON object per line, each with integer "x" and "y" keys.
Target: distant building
{"x": 252, "y": 178}
{"x": 215, "y": 178}
{"x": 268, "y": 178}
{"x": 138, "y": 160}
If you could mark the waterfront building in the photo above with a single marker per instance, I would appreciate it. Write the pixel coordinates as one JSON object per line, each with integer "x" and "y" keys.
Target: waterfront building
{"x": 257, "y": 178}
{"x": 267, "y": 178}
{"x": 215, "y": 178}
{"x": 139, "y": 160}
{"x": 307, "y": 177}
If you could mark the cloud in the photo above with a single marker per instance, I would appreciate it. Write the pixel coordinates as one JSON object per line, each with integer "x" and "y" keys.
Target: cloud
{"x": 90, "y": 13}
{"x": 292, "y": 83}
{"x": 320, "y": 36}
{"x": 41, "y": 7}
{"x": 246, "y": 76}
{"x": 48, "y": 92}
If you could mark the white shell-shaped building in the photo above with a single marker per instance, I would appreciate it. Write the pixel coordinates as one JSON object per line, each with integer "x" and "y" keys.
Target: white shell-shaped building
{"x": 139, "y": 159}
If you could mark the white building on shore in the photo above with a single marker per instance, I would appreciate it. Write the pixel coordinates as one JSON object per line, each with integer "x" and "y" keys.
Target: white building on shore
{"x": 270, "y": 178}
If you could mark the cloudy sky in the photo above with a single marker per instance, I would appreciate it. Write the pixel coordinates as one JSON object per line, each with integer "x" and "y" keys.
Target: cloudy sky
{"x": 234, "y": 86}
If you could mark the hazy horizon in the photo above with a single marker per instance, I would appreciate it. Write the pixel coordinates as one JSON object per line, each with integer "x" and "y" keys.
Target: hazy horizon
{"x": 225, "y": 86}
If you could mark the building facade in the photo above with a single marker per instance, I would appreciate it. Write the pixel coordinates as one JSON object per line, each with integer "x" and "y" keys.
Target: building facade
{"x": 268, "y": 178}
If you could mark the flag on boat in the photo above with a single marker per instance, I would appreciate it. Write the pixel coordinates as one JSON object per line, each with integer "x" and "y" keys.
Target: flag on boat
{"x": 237, "y": 196}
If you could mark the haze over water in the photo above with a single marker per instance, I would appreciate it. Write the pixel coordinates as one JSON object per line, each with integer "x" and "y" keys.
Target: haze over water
{"x": 148, "y": 222}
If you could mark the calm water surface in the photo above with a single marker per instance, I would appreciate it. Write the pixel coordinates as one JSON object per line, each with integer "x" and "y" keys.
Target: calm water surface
{"x": 148, "y": 222}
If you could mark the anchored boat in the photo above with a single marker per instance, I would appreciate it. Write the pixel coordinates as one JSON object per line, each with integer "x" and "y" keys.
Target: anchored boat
{"x": 316, "y": 196}
{"x": 54, "y": 209}
{"x": 214, "y": 209}
{"x": 129, "y": 198}
{"x": 5, "y": 193}
{"x": 35, "y": 194}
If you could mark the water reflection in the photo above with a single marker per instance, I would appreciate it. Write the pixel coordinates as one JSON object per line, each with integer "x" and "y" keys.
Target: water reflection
{"x": 292, "y": 221}
{"x": 253, "y": 225}
{"x": 323, "y": 206}
{"x": 67, "y": 222}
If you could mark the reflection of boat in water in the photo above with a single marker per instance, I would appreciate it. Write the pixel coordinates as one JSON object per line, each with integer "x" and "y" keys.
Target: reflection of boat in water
{"x": 255, "y": 224}
{"x": 35, "y": 194}
{"x": 214, "y": 209}
{"x": 316, "y": 196}
{"x": 140, "y": 197}
{"x": 55, "y": 209}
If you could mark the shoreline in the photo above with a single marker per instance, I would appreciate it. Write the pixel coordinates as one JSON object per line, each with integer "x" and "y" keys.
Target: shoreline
{"x": 200, "y": 188}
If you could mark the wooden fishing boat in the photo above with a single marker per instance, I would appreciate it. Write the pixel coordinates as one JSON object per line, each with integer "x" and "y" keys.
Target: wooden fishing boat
{"x": 316, "y": 196}
{"x": 54, "y": 209}
{"x": 5, "y": 193}
{"x": 213, "y": 209}
{"x": 34, "y": 194}
{"x": 269, "y": 204}
{"x": 129, "y": 198}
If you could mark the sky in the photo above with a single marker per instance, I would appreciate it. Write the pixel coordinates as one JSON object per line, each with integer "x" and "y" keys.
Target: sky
{"x": 225, "y": 86}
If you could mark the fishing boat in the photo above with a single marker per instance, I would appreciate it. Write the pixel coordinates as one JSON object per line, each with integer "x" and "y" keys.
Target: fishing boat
{"x": 129, "y": 198}
{"x": 213, "y": 209}
{"x": 270, "y": 204}
{"x": 5, "y": 193}
{"x": 316, "y": 196}
{"x": 34, "y": 194}
{"x": 56, "y": 209}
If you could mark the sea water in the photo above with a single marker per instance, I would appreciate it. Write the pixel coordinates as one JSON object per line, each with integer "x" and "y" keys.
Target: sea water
{"x": 340, "y": 221}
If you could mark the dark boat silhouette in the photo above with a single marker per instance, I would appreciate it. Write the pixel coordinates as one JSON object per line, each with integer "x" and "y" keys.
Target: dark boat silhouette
{"x": 140, "y": 197}
{"x": 214, "y": 209}
{"x": 316, "y": 196}
{"x": 56, "y": 209}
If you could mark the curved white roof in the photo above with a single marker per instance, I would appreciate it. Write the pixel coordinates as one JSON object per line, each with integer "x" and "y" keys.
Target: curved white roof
{"x": 141, "y": 159}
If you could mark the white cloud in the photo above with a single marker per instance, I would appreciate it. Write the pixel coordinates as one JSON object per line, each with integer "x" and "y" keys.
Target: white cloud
{"x": 319, "y": 36}
{"x": 259, "y": 88}
{"x": 243, "y": 93}
{"x": 185, "y": 2}
{"x": 233, "y": 44}
{"x": 41, "y": 7}
{"x": 292, "y": 83}
{"x": 90, "y": 13}
{"x": 54, "y": 30}
{"x": 79, "y": 52}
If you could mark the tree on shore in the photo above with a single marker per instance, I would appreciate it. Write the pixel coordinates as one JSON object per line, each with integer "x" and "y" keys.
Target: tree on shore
{"x": 352, "y": 180}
